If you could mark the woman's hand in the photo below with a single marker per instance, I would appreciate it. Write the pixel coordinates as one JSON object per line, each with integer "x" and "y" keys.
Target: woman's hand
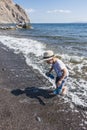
{"x": 47, "y": 73}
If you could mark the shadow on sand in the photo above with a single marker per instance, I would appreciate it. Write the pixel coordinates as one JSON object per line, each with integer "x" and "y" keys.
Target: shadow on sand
{"x": 34, "y": 92}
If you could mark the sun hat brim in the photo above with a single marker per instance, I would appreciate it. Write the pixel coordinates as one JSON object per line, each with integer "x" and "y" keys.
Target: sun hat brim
{"x": 48, "y": 55}
{"x": 46, "y": 59}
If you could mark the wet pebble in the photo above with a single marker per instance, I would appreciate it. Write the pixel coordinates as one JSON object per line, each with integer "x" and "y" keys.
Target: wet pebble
{"x": 38, "y": 119}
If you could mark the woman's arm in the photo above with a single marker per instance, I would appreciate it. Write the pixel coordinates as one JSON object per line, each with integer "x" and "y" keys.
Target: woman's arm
{"x": 62, "y": 78}
{"x": 64, "y": 74}
{"x": 49, "y": 71}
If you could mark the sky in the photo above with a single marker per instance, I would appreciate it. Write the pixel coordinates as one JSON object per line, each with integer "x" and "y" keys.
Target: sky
{"x": 55, "y": 11}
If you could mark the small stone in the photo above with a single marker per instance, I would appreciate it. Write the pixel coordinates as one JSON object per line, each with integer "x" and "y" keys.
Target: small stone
{"x": 38, "y": 119}
{"x": 3, "y": 69}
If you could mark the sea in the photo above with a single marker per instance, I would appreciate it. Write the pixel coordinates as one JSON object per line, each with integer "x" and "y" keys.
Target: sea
{"x": 69, "y": 43}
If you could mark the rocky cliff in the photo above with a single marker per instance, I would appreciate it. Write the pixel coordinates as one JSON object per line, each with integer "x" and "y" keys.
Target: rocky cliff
{"x": 11, "y": 12}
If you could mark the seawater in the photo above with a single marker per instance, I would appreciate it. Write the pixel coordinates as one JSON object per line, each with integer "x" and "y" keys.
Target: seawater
{"x": 68, "y": 41}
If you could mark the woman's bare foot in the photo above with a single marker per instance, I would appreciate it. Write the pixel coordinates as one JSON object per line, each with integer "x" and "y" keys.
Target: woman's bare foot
{"x": 64, "y": 90}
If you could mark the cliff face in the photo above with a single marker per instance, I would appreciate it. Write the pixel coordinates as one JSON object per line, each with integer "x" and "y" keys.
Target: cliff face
{"x": 11, "y": 12}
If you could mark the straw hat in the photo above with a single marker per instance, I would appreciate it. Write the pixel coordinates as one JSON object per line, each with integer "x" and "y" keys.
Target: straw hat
{"x": 48, "y": 55}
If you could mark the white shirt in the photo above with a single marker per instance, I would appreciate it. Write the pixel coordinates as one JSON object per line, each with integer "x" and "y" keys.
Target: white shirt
{"x": 58, "y": 66}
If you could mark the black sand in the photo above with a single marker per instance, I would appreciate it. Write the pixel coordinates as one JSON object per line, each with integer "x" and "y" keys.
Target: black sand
{"x": 24, "y": 105}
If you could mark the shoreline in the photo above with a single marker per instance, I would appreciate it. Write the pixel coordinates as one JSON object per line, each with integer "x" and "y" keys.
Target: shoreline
{"x": 25, "y": 105}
